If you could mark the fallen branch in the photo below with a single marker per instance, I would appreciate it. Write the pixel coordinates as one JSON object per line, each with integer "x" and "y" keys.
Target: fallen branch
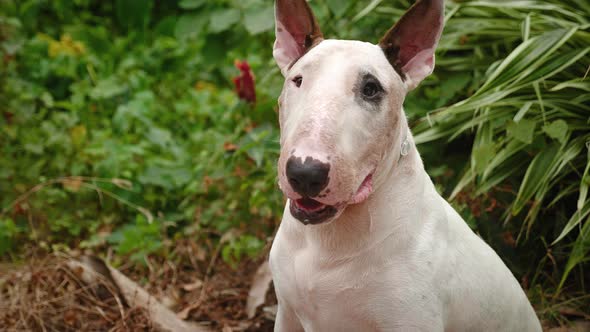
{"x": 92, "y": 270}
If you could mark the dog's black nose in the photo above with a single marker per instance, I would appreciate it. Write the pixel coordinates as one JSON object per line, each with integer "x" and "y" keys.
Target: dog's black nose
{"x": 308, "y": 177}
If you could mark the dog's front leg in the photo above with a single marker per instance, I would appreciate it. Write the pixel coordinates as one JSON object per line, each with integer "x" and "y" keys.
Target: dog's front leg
{"x": 286, "y": 320}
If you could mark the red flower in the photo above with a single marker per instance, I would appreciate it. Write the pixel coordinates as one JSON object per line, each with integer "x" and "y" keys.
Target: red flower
{"x": 245, "y": 82}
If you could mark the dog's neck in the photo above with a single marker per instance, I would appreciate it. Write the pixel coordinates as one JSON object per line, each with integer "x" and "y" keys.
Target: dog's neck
{"x": 388, "y": 211}
{"x": 399, "y": 154}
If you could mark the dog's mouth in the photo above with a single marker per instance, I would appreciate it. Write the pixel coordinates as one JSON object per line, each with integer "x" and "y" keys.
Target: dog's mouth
{"x": 310, "y": 211}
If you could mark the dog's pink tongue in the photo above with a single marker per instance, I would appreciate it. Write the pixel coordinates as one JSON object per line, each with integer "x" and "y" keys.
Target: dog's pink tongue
{"x": 364, "y": 190}
{"x": 310, "y": 204}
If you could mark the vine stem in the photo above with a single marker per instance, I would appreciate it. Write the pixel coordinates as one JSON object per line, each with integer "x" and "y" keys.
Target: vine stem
{"x": 86, "y": 183}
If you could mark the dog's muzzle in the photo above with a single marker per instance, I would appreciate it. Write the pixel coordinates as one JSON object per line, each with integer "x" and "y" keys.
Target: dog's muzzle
{"x": 307, "y": 177}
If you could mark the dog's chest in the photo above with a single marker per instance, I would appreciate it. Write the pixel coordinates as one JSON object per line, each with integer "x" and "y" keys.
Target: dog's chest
{"x": 321, "y": 291}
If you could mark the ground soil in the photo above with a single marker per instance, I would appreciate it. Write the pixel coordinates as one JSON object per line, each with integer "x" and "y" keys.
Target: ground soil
{"x": 44, "y": 295}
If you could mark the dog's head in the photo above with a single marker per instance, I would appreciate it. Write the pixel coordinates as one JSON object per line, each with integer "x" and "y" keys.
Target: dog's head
{"x": 341, "y": 104}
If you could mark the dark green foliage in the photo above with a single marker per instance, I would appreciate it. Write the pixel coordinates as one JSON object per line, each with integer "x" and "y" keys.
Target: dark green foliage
{"x": 529, "y": 114}
{"x": 112, "y": 94}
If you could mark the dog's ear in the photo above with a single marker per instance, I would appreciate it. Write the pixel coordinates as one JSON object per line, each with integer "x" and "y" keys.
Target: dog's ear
{"x": 410, "y": 44}
{"x": 297, "y": 31}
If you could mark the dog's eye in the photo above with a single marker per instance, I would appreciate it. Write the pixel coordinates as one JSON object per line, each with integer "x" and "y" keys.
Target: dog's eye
{"x": 371, "y": 89}
{"x": 298, "y": 80}
{"x": 368, "y": 90}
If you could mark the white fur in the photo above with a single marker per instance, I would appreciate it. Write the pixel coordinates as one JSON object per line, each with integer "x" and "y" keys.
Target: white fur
{"x": 402, "y": 260}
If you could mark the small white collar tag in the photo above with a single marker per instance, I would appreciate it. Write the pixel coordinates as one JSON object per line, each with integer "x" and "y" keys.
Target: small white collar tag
{"x": 405, "y": 147}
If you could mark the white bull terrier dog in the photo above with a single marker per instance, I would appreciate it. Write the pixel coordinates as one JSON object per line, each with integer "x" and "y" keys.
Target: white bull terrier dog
{"x": 366, "y": 242}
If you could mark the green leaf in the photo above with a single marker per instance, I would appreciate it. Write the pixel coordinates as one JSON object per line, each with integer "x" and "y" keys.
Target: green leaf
{"x": 578, "y": 253}
{"x": 166, "y": 26}
{"x": 140, "y": 238}
{"x": 504, "y": 154}
{"x": 165, "y": 177}
{"x": 574, "y": 221}
{"x": 510, "y": 168}
{"x": 134, "y": 14}
{"x": 585, "y": 182}
{"x": 108, "y": 88}
{"x": 451, "y": 86}
{"x": 223, "y": 19}
{"x": 160, "y": 137}
{"x": 535, "y": 177}
{"x": 78, "y": 134}
{"x": 191, "y": 4}
{"x": 338, "y": 7}
{"x": 578, "y": 83}
{"x": 481, "y": 157}
{"x": 556, "y": 130}
{"x": 35, "y": 148}
{"x": 258, "y": 20}
{"x": 465, "y": 180}
{"x": 369, "y": 8}
{"x": 8, "y": 233}
{"x": 190, "y": 26}
{"x": 523, "y": 110}
{"x": 522, "y": 130}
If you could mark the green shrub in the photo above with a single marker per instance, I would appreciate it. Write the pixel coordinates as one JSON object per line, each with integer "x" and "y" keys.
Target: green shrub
{"x": 528, "y": 111}
{"x": 128, "y": 112}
